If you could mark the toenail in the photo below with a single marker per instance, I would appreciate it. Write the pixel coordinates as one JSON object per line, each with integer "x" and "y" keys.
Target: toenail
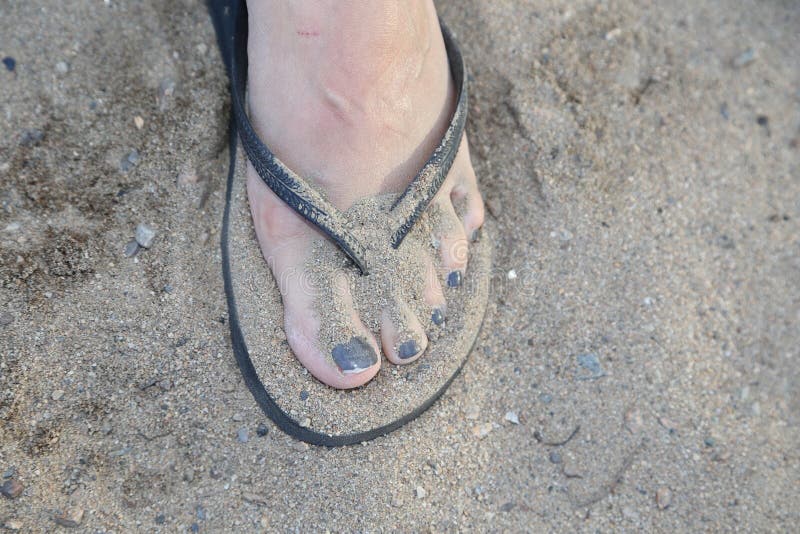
{"x": 408, "y": 349}
{"x": 437, "y": 317}
{"x": 474, "y": 235}
{"x": 354, "y": 356}
{"x": 454, "y": 279}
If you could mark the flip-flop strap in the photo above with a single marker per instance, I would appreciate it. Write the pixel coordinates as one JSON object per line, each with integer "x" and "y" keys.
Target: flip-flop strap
{"x": 301, "y": 196}
{"x": 419, "y": 193}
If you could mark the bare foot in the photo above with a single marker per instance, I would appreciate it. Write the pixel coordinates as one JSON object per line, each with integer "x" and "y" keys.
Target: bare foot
{"x": 354, "y": 96}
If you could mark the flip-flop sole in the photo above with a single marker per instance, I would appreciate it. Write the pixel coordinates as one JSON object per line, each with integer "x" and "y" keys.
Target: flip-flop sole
{"x": 298, "y": 403}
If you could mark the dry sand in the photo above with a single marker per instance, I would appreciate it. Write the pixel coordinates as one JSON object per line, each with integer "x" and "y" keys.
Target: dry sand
{"x": 643, "y": 172}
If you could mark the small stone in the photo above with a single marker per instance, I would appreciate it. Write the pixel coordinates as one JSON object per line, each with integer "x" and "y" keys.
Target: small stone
{"x": 546, "y": 398}
{"x": 300, "y": 446}
{"x": 305, "y": 423}
{"x": 161, "y": 519}
{"x": 613, "y": 34}
{"x": 145, "y": 235}
{"x": 744, "y": 59}
{"x": 202, "y": 48}
{"x": 397, "y": 502}
{"x": 10, "y": 472}
{"x": 201, "y": 513}
{"x": 663, "y": 497}
{"x": 495, "y": 207}
{"x": 237, "y": 417}
{"x": 129, "y": 160}
{"x": 71, "y": 518}
{"x": 31, "y": 138}
{"x": 254, "y": 498}
{"x": 165, "y": 91}
{"x": 512, "y": 417}
{"x": 138, "y": 122}
{"x": 11, "y": 489}
{"x": 472, "y": 412}
{"x": 709, "y": 442}
{"x": 13, "y": 524}
{"x": 131, "y": 249}
{"x": 194, "y": 527}
{"x": 242, "y": 435}
{"x": 634, "y": 420}
{"x": 303, "y": 395}
{"x": 6, "y": 318}
{"x": 420, "y": 492}
{"x": 57, "y": 394}
{"x": 62, "y": 67}
{"x": 571, "y": 471}
{"x": 262, "y": 430}
{"x": 555, "y": 457}
{"x": 188, "y": 176}
{"x": 590, "y": 363}
{"x": 512, "y": 274}
{"x": 482, "y": 430}
{"x": 507, "y": 507}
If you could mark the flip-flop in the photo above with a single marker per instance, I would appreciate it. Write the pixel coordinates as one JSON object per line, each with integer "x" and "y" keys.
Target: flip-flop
{"x": 297, "y": 403}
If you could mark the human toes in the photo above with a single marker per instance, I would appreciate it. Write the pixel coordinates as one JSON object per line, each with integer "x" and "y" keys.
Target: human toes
{"x": 466, "y": 196}
{"x": 451, "y": 240}
{"x": 335, "y": 346}
{"x": 402, "y": 336}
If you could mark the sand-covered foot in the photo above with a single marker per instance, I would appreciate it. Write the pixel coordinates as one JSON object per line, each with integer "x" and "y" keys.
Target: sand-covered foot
{"x": 354, "y": 96}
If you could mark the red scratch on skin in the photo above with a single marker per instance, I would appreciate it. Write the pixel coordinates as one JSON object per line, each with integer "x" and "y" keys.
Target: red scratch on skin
{"x": 310, "y": 33}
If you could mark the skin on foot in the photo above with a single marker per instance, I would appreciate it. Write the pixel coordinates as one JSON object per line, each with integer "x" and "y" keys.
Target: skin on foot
{"x": 354, "y": 96}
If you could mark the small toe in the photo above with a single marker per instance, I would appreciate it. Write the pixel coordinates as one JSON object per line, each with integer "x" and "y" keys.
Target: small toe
{"x": 402, "y": 335}
{"x": 453, "y": 243}
{"x": 434, "y": 295}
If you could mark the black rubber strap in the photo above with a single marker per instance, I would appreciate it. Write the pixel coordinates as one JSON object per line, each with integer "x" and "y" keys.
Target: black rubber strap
{"x": 223, "y": 13}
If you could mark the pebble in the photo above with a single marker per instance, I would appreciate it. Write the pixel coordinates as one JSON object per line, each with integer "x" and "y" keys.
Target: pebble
{"x": 546, "y": 398}
{"x": 305, "y": 423}
{"x": 300, "y": 446}
{"x": 571, "y": 471}
{"x": 11, "y": 488}
{"x": 555, "y": 457}
{"x": 129, "y": 160}
{"x": 165, "y": 90}
{"x": 494, "y": 206}
{"x": 188, "y": 176}
{"x": 138, "y": 122}
{"x": 13, "y": 524}
{"x": 31, "y": 138}
{"x": 482, "y": 430}
{"x": 420, "y": 492}
{"x": 663, "y": 497}
{"x": 634, "y": 420}
{"x": 57, "y": 394}
{"x": 237, "y": 417}
{"x": 131, "y": 249}
{"x": 62, "y": 67}
{"x": 303, "y": 395}
{"x": 71, "y": 518}
{"x": 145, "y": 235}
{"x": 744, "y": 59}
{"x": 262, "y": 430}
{"x": 201, "y": 513}
{"x": 591, "y": 363}
{"x": 6, "y": 318}
{"x": 161, "y": 519}
{"x": 10, "y": 63}
{"x": 512, "y": 417}
{"x": 8, "y": 473}
{"x": 512, "y": 274}
{"x": 195, "y": 527}
{"x": 709, "y": 442}
{"x": 472, "y": 412}
{"x": 242, "y": 435}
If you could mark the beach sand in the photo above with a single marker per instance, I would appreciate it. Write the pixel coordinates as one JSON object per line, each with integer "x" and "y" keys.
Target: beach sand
{"x": 638, "y": 367}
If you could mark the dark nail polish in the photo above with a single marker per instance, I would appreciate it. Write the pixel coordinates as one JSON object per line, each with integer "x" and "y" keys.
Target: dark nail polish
{"x": 437, "y": 317}
{"x": 454, "y": 279}
{"x": 474, "y": 235}
{"x": 408, "y": 349}
{"x": 354, "y": 356}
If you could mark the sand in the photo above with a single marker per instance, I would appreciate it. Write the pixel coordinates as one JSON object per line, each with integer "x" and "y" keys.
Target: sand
{"x": 640, "y": 164}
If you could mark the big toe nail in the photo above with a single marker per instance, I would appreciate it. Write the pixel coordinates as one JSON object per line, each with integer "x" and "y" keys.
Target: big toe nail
{"x": 354, "y": 356}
